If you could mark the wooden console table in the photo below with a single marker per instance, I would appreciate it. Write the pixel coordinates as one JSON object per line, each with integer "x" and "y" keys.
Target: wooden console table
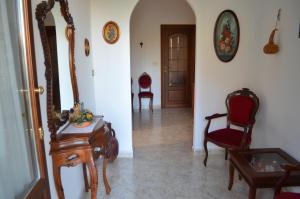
{"x": 74, "y": 146}
{"x": 261, "y": 168}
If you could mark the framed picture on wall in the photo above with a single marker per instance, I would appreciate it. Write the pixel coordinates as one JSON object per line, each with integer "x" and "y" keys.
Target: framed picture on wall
{"x": 226, "y": 35}
{"x": 111, "y": 32}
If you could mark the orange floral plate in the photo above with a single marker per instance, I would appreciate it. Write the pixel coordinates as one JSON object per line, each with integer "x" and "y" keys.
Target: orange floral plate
{"x": 82, "y": 125}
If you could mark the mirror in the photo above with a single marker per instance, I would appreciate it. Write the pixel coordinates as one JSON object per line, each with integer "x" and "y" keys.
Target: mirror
{"x": 57, "y": 34}
{"x": 55, "y": 26}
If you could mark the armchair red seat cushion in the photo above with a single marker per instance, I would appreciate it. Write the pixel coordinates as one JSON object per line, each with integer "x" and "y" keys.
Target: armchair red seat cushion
{"x": 231, "y": 137}
{"x": 288, "y": 195}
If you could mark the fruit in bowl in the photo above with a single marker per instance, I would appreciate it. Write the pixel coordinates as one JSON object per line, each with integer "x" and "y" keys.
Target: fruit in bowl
{"x": 80, "y": 117}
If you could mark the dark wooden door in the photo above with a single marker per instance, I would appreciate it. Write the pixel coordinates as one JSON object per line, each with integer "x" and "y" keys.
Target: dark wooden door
{"x": 40, "y": 187}
{"x": 177, "y": 65}
{"x": 24, "y": 172}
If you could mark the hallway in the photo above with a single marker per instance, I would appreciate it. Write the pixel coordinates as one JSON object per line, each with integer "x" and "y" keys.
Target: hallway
{"x": 165, "y": 167}
{"x": 163, "y": 127}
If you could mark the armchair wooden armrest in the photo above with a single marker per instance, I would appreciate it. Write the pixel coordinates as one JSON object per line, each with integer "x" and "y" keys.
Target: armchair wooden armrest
{"x": 217, "y": 115}
{"x": 288, "y": 168}
{"x": 209, "y": 118}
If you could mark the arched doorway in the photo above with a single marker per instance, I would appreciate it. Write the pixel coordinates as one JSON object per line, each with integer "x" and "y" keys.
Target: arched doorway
{"x": 146, "y": 56}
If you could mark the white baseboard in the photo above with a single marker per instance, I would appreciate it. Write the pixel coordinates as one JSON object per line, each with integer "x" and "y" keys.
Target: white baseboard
{"x": 216, "y": 151}
{"x": 155, "y": 107}
{"x": 294, "y": 189}
{"x": 125, "y": 154}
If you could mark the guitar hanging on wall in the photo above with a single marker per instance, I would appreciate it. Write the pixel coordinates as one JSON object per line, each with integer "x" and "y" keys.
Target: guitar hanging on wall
{"x": 271, "y": 47}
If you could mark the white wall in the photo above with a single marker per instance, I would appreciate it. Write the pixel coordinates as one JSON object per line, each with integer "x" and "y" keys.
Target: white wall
{"x": 72, "y": 177}
{"x": 273, "y": 77}
{"x": 215, "y": 79}
{"x": 81, "y": 12}
{"x": 279, "y": 80}
{"x": 112, "y": 68}
{"x": 145, "y": 27}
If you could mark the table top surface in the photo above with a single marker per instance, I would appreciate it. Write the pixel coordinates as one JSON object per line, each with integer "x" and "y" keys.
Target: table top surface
{"x": 68, "y": 128}
{"x": 261, "y": 163}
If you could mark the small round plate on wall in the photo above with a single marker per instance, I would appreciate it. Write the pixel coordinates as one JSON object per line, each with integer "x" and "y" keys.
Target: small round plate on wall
{"x": 86, "y": 47}
{"x": 111, "y": 32}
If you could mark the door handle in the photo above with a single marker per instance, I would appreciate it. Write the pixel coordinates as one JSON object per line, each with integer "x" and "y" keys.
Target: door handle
{"x": 40, "y": 90}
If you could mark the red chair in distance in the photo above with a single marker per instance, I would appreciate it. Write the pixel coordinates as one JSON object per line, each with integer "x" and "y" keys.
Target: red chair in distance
{"x": 289, "y": 170}
{"x": 242, "y": 106}
{"x": 145, "y": 90}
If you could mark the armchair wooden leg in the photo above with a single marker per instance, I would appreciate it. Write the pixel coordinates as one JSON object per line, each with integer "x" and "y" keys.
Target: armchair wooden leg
{"x": 57, "y": 180}
{"x": 140, "y": 103}
{"x": 151, "y": 104}
{"x": 231, "y": 176}
{"x": 226, "y": 154}
{"x": 86, "y": 183}
{"x": 106, "y": 184}
{"x": 206, "y": 152}
{"x": 240, "y": 177}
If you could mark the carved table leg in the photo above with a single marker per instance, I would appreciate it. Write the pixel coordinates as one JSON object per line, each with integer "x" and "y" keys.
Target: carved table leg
{"x": 106, "y": 184}
{"x": 231, "y": 176}
{"x": 252, "y": 192}
{"x": 57, "y": 180}
{"x": 86, "y": 183}
{"x": 94, "y": 178}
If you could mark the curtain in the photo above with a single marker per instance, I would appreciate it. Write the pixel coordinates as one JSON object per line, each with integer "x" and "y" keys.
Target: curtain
{"x": 18, "y": 165}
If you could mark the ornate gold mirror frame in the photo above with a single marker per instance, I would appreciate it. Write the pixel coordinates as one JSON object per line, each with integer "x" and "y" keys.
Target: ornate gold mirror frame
{"x": 54, "y": 122}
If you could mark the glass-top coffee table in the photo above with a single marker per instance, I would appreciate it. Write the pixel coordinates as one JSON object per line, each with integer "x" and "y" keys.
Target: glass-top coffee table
{"x": 261, "y": 168}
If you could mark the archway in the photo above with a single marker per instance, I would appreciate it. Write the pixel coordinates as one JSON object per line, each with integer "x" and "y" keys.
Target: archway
{"x": 145, "y": 43}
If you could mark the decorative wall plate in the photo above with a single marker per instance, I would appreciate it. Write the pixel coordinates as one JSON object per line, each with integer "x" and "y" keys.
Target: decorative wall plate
{"x": 86, "y": 47}
{"x": 111, "y": 32}
{"x": 226, "y": 35}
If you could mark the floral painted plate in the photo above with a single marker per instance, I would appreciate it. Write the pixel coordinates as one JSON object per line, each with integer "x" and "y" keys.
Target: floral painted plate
{"x": 82, "y": 125}
{"x": 111, "y": 32}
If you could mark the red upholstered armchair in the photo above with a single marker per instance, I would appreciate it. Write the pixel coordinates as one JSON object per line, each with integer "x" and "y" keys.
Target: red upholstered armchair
{"x": 242, "y": 106}
{"x": 289, "y": 169}
{"x": 145, "y": 90}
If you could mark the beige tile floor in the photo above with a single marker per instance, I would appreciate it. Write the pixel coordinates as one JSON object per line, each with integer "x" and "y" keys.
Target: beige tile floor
{"x": 165, "y": 167}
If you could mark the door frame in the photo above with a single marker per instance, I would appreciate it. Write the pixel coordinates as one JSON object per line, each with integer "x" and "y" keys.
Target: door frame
{"x": 41, "y": 188}
{"x": 191, "y": 59}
